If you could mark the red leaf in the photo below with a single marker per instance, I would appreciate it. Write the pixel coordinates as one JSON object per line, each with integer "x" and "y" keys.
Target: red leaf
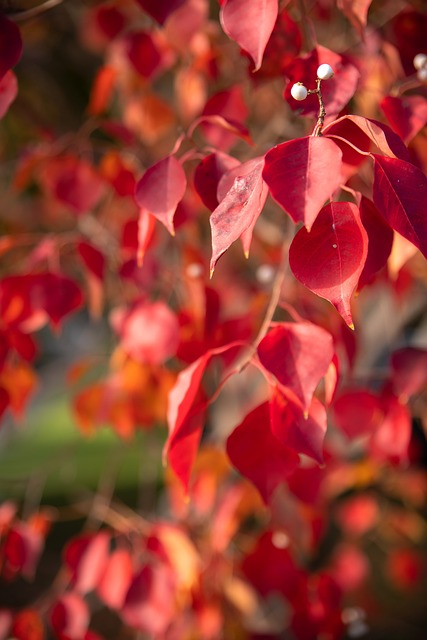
{"x": 270, "y": 567}
{"x": 57, "y": 295}
{"x": 93, "y": 259}
{"x": 297, "y": 432}
{"x": 380, "y": 240}
{"x": 74, "y": 182}
{"x": 336, "y": 92}
{"x": 391, "y": 440}
{"x": 8, "y": 91}
{"x": 208, "y": 174}
{"x": 298, "y": 355}
{"x": 4, "y": 401}
{"x": 150, "y": 601}
{"x": 358, "y": 514}
{"x": 27, "y": 625}
{"x": 238, "y": 212}
{"x": 22, "y": 549}
{"x": 400, "y": 194}
{"x": 302, "y": 175}
{"x": 250, "y": 23}
{"x": 149, "y": 331}
{"x": 143, "y": 53}
{"x": 116, "y": 579}
{"x": 10, "y": 44}
{"x": 407, "y": 115}
{"x": 70, "y": 616}
{"x": 186, "y": 420}
{"x": 258, "y": 454}
{"x": 357, "y": 413}
{"x": 160, "y": 11}
{"x": 146, "y": 225}
{"x": 231, "y": 106}
{"x": 330, "y": 259}
{"x": 161, "y": 189}
{"x": 86, "y": 557}
{"x": 357, "y": 130}
{"x": 409, "y": 371}
{"x": 356, "y": 11}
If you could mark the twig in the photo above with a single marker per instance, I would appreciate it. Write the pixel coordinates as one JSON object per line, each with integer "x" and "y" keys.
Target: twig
{"x": 317, "y": 131}
{"x": 34, "y": 11}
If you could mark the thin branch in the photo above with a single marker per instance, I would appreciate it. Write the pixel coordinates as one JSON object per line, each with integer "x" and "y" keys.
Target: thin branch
{"x": 25, "y": 14}
{"x": 322, "y": 111}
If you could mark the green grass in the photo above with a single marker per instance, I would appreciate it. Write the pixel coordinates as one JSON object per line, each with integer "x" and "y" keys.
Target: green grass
{"x": 47, "y": 453}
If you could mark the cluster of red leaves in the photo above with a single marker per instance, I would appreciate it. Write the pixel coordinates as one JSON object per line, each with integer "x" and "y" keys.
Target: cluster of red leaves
{"x": 313, "y": 437}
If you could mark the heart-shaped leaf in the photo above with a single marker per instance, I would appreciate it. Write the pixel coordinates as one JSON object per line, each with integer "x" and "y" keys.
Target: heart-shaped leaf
{"x": 330, "y": 259}
{"x": 186, "y": 416}
{"x": 161, "y": 189}
{"x": 302, "y": 434}
{"x": 258, "y": 455}
{"x": 250, "y": 23}
{"x": 357, "y": 129}
{"x": 238, "y": 212}
{"x": 302, "y": 175}
{"x": 400, "y": 194}
{"x": 208, "y": 174}
{"x": 407, "y": 115}
{"x": 298, "y": 355}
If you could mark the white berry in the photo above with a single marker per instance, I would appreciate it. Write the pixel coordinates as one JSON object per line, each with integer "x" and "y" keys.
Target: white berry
{"x": 420, "y": 60}
{"x": 298, "y": 91}
{"x": 422, "y": 74}
{"x": 325, "y": 71}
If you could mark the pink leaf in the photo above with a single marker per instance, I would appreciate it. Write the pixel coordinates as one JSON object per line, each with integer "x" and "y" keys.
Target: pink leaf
{"x": 257, "y": 453}
{"x": 149, "y": 331}
{"x": 400, "y": 194}
{"x": 298, "y": 355}
{"x": 357, "y": 129}
{"x": 238, "y": 212}
{"x": 330, "y": 259}
{"x": 8, "y": 91}
{"x": 161, "y": 189}
{"x": 250, "y": 23}
{"x": 10, "y": 44}
{"x": 302, "y": 175}
{"x": 86, "y": 557}
{"x": 294, "y": 430}
{"x": 70, "y": 616}
{"x": 185, "y": 419}
{"x": 407, "y": 115}
{"x": 116, "y": 579}
{"x": 149, "y": 604}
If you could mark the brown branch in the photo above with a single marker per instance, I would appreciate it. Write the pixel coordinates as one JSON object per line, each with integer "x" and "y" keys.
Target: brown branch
{"x": 25, "y": 14}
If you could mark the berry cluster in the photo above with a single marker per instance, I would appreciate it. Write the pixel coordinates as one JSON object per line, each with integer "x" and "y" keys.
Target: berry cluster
{"x": 300, "y": 92}
{"x": 420, "y": 64}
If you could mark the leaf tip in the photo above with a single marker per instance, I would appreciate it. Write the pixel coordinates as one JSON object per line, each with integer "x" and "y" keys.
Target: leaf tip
{"x": 350, "y": 325}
